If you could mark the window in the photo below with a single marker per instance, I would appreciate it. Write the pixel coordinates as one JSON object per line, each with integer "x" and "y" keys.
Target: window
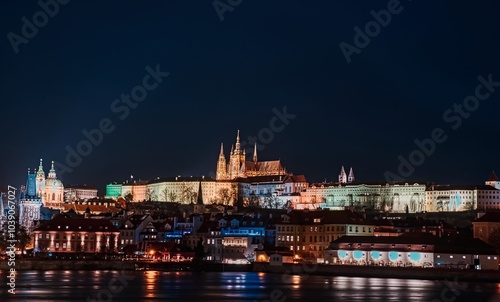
{"x": 47, "y": 236}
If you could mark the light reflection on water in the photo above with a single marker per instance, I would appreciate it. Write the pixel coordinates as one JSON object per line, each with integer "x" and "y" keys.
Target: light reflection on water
{"x": 229, "y": 286}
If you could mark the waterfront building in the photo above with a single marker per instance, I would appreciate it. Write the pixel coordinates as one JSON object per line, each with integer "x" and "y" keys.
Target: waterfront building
{"x": 130, "y": 230}
{"x": 76, "y": 235}
{"x": 308, "y": 233}
{"x": 413, "y": 250}
{"x": 485, "y": 224}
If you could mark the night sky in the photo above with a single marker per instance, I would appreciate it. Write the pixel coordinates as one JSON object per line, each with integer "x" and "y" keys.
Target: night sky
{"x": 231, "y": 74}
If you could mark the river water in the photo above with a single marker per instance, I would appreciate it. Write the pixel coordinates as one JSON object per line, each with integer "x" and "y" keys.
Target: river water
{"x": 40, "y": 286}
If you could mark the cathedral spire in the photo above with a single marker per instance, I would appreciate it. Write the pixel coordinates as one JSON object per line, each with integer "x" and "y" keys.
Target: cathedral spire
{"x": 221, "y": 154}
{"x": 255, "y": 152}
{"x": 238, "y": 145}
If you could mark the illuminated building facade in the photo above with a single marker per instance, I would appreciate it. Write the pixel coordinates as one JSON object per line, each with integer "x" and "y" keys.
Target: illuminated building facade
{"x": 398, "y": 197}
{"x": 80, "y": 193}
{"x": 76, "y": 235}
{"x": 308, "y": 233}
{"x": 413, "y": 250}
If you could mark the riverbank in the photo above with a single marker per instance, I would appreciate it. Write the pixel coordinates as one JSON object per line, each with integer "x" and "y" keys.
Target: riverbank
{"x": 298, "y": 269}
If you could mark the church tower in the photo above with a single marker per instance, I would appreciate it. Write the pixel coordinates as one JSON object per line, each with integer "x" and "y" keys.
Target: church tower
{"x": 342, "y": 176}
{"x": 29, "y": 204}
{"x": 237, "y": 160}
{"x": 199, "y": 207}
{"x": 40, "y": 180}
{"x": 221, "y": 173}
{"x": 350, "y": 178}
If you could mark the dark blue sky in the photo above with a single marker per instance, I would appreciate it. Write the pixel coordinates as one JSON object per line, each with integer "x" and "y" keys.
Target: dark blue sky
{"x": 228, "y": 75}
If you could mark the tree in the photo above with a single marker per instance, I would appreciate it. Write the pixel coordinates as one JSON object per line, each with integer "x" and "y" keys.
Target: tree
{"x": 112, "y": 247}
{"x": 165, "y": 194}
{"x": 271, "y": 202}
{"x": 186, "y": 192}
{"x": 103, "y": 247}
{"x": 128, "y": 196}
{"x": 172, "y": 196}
{"x": 42, "y": 246}
{"x": 251, "y": 201}
{"x": 224, "y": 196}
{"x": 150, "y": 195}
{"x": 199, "y": 251}
{"x": 23, "y": 239}
{"x": 194, "y": 196}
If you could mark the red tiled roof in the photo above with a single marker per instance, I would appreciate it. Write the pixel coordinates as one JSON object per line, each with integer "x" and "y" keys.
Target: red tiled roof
{"x": 489, "y": 217}
{"x": 493, "y": 177}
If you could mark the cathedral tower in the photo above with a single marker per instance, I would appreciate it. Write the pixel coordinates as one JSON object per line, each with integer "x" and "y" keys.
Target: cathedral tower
{"x": 237, "y": 160}
{"x": 221, "y": 173}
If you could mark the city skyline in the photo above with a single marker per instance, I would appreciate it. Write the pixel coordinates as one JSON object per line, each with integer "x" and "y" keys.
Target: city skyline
{"x": 191, "y": 76}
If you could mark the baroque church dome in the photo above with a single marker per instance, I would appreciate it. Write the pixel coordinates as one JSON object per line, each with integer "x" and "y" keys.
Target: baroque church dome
{"x": 52, "y": 180}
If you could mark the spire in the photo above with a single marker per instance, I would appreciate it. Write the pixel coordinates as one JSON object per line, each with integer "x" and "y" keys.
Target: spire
{"x": 238, "y": 146}
{"x": 255, "y": 152}
{"x": 221, "y": 149}
{"x": 350, "y": 178}
{"x": 52, "y": 172}
{"x": 40, "y": 174}
{"x": 342, "y": 176}
{"x": 232, "y": 149}
{"x": 493, "y": 177}
{"x": 199, "y": 199}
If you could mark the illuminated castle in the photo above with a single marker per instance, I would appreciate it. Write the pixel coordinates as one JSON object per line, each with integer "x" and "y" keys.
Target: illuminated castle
{"x": 239, "y": 167}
